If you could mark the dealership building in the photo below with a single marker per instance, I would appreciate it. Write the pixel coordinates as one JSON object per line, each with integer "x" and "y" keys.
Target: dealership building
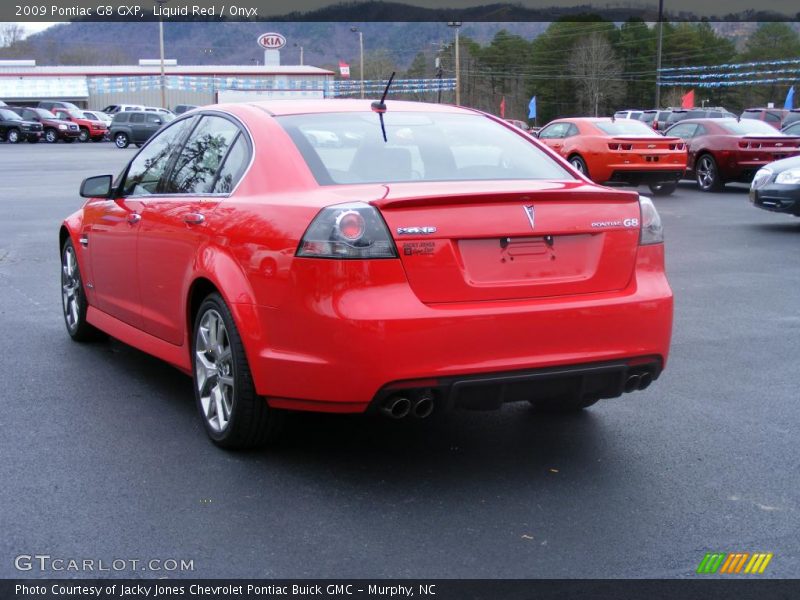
{"x": 24, "y": 82}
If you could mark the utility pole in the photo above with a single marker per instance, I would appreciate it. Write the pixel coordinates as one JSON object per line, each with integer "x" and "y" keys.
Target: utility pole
{"x": 361, "y": 55}
{"x": 456, "y": 25}
{"x": 660, "y": 26}
{"x": 161, "y": 4}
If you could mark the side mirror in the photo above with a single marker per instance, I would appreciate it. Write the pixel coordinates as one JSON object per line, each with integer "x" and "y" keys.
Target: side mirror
{"x": 158, "y": 121}
{"x": 96, "y": 187}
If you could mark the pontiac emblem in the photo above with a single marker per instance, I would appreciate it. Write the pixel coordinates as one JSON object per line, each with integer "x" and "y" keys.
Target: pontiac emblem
{"x": 529, "y": 211}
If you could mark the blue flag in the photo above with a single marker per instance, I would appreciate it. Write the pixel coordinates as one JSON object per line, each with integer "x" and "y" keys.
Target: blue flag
{"x": 532, "y": 108}
{"x": 789, "y": 99}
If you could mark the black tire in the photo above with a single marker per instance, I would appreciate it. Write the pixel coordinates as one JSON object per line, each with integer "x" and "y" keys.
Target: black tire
{"x": 665, "y": 188}
{"x": 50, "y": 136}
{"x": 561, "y": 405}
{"x": 83, "y": 136}
{"x": 72, "y": 287}
{"x": 250, "y": 423}
{"x": 706, "y": 174}
{"x": 121, "y": 140}
{"x": 13, "y": 137}
{"x": 579, "y": 164}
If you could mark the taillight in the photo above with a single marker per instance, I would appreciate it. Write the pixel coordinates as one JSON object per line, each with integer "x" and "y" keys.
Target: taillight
{"x": 613, "y": 146}
{"x": 677, "y": 146}
{"x": 355, "y": 230}
{"x": 620, "y": 146}
{"x": 651, "y": 232}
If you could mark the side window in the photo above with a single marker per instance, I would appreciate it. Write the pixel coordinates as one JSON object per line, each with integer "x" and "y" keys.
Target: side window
{"x": 772, "y": 118}
{"x": 685, "y": 131}
{"x": 553, "y": 131}
{"x": 137, "y": 118}
{"x": 701, "y": 130}
{"x": 197, "y": 165}
{"x": 571, "y": 130}
{"x": 233, "y": 168}
{"x": 154, "y": 119}
{"x": 148, "y": 167}
{"x": 121, "y": 118}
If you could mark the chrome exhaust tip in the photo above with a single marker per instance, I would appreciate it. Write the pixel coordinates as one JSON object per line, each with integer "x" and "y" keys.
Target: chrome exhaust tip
{"x": 396, "y": 407}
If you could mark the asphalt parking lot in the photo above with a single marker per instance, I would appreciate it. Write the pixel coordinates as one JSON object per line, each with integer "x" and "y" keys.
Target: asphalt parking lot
{"x": 106, "y": 458}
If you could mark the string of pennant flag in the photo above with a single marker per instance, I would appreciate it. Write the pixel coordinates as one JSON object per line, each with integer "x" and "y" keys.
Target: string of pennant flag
{"x": 731, "y": 74}
{"x": 128, "y": 84}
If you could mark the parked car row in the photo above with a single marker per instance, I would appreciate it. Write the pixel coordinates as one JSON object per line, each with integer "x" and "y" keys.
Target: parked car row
{"x": 711, "y": 150}
{"x": 661, "y": 119}
{"x": 54, "y": 120}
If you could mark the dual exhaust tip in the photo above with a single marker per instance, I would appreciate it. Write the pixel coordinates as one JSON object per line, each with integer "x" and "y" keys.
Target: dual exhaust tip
{"x": 400, "y": 407}
{"x": 638, "y": 381}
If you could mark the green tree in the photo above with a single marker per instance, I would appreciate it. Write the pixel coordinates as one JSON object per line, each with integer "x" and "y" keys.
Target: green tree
{"x": 636, "y": 47}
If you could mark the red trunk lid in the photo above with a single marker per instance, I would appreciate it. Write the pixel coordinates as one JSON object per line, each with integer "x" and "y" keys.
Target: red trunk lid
{"x": 506, "y": 240}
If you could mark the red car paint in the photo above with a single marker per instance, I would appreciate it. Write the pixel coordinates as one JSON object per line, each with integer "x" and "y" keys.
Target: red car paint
{"x": 486, "y": 293}
{"x": 736, "y": 157}
{"x": 632, "y": 158}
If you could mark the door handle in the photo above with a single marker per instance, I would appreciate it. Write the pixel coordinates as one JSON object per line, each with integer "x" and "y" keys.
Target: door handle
{"x": 193, "y": 218}
{"x": 134, "y": 218}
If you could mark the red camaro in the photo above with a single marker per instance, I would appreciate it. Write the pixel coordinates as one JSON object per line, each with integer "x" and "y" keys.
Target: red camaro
{"x": 723, "y": 150}
{"x": 618, "y": 150}
{"x": 334, "y": 255}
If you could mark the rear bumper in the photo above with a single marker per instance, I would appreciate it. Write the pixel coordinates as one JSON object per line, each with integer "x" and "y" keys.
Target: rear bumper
{"x": 585, "y": 383}
{"x": 336, "y": 343}
{"x": 640, "y": 176}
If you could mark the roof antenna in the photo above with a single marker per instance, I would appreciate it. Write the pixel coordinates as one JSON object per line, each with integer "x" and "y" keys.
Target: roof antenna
{"x": 379, "y": 106}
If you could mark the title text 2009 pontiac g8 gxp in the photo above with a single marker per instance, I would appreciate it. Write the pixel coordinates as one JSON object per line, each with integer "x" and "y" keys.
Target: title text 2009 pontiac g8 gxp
{"x": 342, "y": 256}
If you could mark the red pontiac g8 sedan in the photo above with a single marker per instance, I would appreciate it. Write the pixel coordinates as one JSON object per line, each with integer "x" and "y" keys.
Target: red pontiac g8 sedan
{"x": 723, "y": 150}
{"x": 342, "y": 256}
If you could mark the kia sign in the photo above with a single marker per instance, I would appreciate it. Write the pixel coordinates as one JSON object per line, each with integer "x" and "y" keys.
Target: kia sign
{"x": 271, "y": 41}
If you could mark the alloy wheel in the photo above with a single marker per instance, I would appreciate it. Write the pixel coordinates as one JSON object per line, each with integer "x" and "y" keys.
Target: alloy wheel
{"x": 706, "y": 173}
{"x": 214, "y": 370}
{"x": 70, "y": 288}
{"x": 51, "y": 136}
{"x": 13, "y": 136}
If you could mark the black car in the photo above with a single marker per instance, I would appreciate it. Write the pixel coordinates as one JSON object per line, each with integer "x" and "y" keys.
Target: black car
{"x": 182, "y": 108}
{"x": 136, "y": 126}
{"x": 776, "y": 187}
{"x": 679, "y": 114}
{"x": 54, "y": 128}
{"x": 14, "y": 128}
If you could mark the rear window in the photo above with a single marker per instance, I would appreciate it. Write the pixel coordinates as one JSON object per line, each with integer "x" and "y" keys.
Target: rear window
{"x": 624, "y": 127}
{"x": 748, "y": 126}
{"x": 751, "y": 114}
{"x": 342, "y": 148}
{"x": 648, "y": 117}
